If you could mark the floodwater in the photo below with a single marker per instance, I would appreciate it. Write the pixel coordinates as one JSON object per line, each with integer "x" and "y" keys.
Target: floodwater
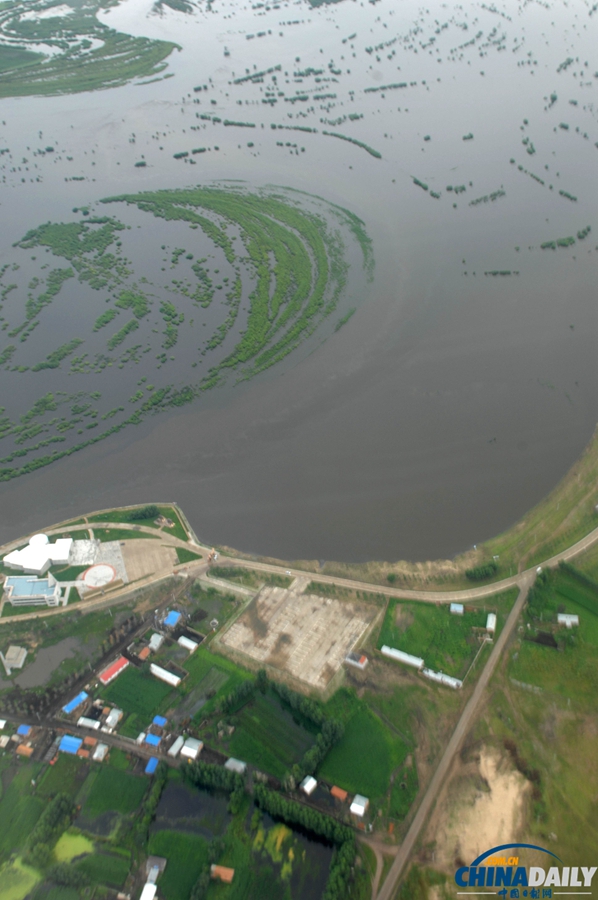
{"x": 46, "y": 661}
{"x": 452, "y": 401}
{"x": 205, "y": 813}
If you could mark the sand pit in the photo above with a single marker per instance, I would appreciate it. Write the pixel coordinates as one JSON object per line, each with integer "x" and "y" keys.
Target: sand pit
{"x": 472, "y": 819}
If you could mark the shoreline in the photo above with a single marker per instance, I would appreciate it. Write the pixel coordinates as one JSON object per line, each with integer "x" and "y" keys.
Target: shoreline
{"x": 563, "y": 524}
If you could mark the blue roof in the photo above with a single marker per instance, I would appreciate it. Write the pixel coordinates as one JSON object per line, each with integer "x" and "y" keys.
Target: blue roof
{"x": 26, "y": 586}
{"x": 70, "y": 744}
{"x": 160, "y": 721}
{"x": 152, "y": 765}
{"x": 172, "y": 618}
{"x": 24, "y": 730}
{"x": 152, "y": 739}
{"x": 74, "y": 703}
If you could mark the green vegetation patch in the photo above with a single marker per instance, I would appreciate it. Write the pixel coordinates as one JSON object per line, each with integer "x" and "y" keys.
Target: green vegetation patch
{"x": 66, "y": 776}
{"x": 287, "y": 265}
{"x": 76, "y": 65}
{"x": 137, "y": 692}
{"x": 556, "y": 659}
{"x": 17, "y": 880}
{"x": 105, "y": 868}
{"x": 190, "y": 853}
{"x": 115, "y": 790}
{"x": 445, "y": 642}
{"x": 70, "y": 845}
{"x": 268, "y": 737}
{"x": 365, "y": 757}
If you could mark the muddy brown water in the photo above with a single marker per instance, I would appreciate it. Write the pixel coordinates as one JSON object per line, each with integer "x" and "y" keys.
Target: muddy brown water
{"x": 46, "y": 662}
{"x": 451, "y": 402}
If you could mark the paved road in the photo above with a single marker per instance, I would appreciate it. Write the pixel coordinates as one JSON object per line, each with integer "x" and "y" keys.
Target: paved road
{"x": 389, "y": 887}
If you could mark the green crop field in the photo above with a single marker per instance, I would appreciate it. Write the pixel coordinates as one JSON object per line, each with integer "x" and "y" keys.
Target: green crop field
{"x": 267, "y": 736}
{"x": 363, "y": 761}
{"x": 66, "y": 776}
{"x": 137, "y": 692}
{"x": 210, "y": 673}
{"x": 116, "y": 790}
{"x": 188, "y": 854}
{"x": 105, "y": 868}
{"x": 19, "y": 810}
{"x": 444, "y": 641}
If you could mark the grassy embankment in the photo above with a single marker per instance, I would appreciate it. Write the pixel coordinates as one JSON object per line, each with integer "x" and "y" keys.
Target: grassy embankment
{"x": 565, "y": 516}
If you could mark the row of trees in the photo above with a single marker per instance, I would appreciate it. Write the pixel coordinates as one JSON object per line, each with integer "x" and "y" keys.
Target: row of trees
{"x": 53, "y": 821}
{"x": 478, "y": 573}
{"x": 293, "y": 813}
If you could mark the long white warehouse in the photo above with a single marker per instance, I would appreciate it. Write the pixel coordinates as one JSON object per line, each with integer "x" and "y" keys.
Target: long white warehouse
{"x": 165, "y": 675}
{"x": 406, "y": 658}
{"x": 441, "y": 678}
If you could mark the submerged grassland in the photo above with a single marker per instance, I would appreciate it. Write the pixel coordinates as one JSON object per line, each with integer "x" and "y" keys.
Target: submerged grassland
{"x": 70, "y": 52}
{"x": 274, "y": 268}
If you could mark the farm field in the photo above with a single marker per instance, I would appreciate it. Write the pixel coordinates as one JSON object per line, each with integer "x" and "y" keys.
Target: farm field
{"x": 445, "y": 642}
{"x": 105, "y": 868}
{"x": 116, "y": 790}
{"x": 19, "y": 810}
{"x": 267, "y": 736}
{"x": 136, "y": 691}
{"x": 365, "y": 758}
{"x": 66, "y": 776}
{"x": 210, "y": 677}
{"x": 190, "y": 852}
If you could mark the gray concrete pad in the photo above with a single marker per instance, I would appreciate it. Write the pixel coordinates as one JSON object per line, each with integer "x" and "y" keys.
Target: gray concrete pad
{"x": 303, "y": 634}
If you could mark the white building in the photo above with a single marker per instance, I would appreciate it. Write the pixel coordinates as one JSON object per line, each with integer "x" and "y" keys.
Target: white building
{"x": 191, "y": 748}
{"x": 441, "y": 678}
{"x": 235, "y": 765}
{"x": 308, "y": 785}
{"x": 567, "y": 619}
{"x": 37, "y": 557}
{"x": 456, "y": 609}
{"x": 400, "y": 656}
{"x": 23, "y": 590}
{"x": 14, "y": 658}
{"x": 359, "y": 805}
{"x": 491, "y": 623}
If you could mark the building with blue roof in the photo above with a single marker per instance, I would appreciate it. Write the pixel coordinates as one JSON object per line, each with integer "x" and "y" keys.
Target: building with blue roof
{"x": 70, "y": 744}
{"x": 75, "y": 702}
{"x": 152, "y": 765}
{"x": 24, "y": 730}
{"x": 160, "y": 721}
{"x": 25, "y": 590}
{"x": 152, "y": 739}
{"x": 172, "y": 619}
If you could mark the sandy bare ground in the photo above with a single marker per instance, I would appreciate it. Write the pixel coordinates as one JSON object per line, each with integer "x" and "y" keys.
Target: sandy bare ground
{"x": 479, "y": 812}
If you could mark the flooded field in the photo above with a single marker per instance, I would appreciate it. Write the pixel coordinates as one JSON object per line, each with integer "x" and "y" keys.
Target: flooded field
{"x": 439, "y": 401}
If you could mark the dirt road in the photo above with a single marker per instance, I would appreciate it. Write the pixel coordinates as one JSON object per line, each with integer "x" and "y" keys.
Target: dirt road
{"x": 388, "y": 888}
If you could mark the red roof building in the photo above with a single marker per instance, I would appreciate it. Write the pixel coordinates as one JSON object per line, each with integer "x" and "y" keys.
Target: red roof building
{"x": 113, "y": 670}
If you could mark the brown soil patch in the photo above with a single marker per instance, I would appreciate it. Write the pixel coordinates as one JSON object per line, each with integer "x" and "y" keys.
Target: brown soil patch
{"x": 403, "y": 618}
{"x": 143, "y": 558}
{"x": 483, "y": 807}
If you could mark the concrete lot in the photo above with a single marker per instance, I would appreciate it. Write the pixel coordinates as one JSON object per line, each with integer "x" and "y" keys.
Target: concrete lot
{"x": 302, "y": 634}
{"x": 144, "y": 558}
